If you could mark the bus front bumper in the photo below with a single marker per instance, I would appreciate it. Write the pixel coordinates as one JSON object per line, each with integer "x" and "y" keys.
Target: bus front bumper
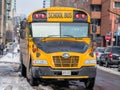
{"x": 49, "y": 73}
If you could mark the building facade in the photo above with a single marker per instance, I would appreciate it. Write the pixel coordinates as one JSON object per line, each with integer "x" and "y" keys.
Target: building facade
{"x": 10, "y": 20}
{"x": 7, "y": 12}
{"x": 104, "y": 14}
{"x": 2, "y": 21}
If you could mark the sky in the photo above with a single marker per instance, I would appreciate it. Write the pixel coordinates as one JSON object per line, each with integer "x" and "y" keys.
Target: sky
{"x": 27, "y": 6}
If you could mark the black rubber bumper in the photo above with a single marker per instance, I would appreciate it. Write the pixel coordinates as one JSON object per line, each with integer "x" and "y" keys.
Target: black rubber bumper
{"x": 47, "y": 71}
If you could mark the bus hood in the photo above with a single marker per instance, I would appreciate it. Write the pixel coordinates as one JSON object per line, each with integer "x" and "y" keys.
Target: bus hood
{"x": 62, "y": 45}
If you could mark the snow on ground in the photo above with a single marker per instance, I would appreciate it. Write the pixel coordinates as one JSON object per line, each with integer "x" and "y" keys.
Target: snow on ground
{"x": 11, "y": 57}
{"x": 9, "y": 72}
{"x": 10, "y": 76}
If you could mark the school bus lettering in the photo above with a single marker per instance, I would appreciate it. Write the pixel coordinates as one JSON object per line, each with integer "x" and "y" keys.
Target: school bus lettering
{"x": 59, "y": 15}
{"x": 55, "y": 15}
{"x": 68, "y": 15}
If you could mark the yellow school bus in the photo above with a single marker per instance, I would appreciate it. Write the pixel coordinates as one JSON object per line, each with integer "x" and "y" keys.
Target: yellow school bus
{"x": 55, "y": 44}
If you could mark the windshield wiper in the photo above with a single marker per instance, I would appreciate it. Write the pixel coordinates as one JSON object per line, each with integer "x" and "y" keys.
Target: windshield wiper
{"x": 59, "y": 36}
{"x": 68, "y": 35}
{"x": 53, "y": 36}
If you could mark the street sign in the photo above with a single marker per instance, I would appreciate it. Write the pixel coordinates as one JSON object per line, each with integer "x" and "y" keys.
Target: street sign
{"x": 107, "y": 37}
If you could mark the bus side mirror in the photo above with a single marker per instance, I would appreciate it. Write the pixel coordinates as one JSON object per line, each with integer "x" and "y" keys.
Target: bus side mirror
{"x": 22, "y": 29}
{"x": 94, "y": 28}
{"x": 23, "y": 24}
{"x": 22, "y": 34}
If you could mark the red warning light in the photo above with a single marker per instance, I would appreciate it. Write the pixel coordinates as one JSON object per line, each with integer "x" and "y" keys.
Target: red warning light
{"x": 36, "y": 16}
{"x": 83, "y": 16}
{"x": 42, "y": 15}
{"x": 77, "y": 16}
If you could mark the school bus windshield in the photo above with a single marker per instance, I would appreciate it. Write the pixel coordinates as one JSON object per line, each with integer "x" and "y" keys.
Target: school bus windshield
{"x": 59, "y": 29}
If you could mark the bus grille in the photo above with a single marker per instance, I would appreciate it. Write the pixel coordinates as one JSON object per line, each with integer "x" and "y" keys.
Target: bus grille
{"x": 60, "y": 61}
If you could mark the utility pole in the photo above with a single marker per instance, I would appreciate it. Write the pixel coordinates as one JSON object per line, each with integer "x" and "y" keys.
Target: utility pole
{"x": 113, "y": 19}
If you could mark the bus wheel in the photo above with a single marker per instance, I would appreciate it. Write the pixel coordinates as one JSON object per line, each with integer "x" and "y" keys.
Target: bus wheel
{"x": 89, "y": 83}
{"x": 33, "y": 81}
{"x": 22, "y": 67}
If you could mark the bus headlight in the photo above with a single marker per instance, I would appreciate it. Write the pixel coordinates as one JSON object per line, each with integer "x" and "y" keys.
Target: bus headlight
{"x": 90, "y": 62}
{"x": 40, "y": 62}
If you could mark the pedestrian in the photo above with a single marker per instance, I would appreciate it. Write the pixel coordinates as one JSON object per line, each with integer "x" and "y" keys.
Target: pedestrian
{"x": 1, "y": 48}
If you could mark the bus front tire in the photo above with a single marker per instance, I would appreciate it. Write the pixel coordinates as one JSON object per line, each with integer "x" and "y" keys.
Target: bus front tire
{"x": 89, "y": 83}
{"x": 33, "y": 81}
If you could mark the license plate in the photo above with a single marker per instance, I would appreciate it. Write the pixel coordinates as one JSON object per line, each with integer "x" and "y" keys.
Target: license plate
{"x": 66, "y": 72}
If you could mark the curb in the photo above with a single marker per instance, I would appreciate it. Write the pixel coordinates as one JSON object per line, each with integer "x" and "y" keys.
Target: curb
{"x": 109, "y": 70}
{"x": 1, "y": 56}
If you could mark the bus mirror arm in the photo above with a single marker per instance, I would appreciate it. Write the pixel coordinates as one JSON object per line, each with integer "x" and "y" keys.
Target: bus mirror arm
{"x": 94, "y": 45}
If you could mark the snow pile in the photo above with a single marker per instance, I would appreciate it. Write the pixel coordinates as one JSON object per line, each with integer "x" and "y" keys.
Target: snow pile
{"x": 12, "y": 57}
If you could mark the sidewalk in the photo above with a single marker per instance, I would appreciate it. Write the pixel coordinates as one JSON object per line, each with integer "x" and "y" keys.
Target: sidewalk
{"x": 11, "y": 57}
{"x": 109, "y": 70}
{"x": 0, "y": 56}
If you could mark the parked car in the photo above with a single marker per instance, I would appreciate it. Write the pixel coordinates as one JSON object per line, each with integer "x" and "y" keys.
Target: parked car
{"x": 111, "y": 56}
{"x": 119, "y": 67}
{"x": 98, "y": 51}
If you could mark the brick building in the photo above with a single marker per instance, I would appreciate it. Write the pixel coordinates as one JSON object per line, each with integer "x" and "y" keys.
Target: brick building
{"x": 103, "y": 15}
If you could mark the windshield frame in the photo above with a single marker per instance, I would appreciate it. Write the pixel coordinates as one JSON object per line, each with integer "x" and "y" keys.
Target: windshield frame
{"x": 61, "y": 36}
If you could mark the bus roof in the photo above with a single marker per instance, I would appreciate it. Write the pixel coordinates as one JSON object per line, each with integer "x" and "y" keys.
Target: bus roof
{"x": 29, "y": 19}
